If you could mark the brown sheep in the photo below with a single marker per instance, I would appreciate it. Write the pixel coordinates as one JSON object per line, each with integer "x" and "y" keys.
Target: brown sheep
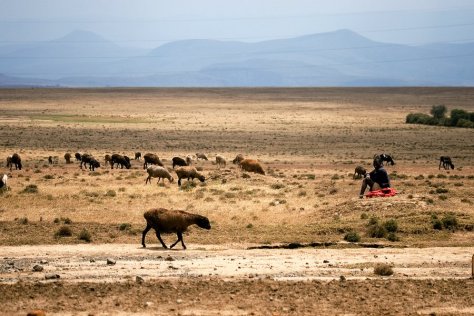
{"x": 201, "y": 156}
{"x": 171, "y": 221}
{"x": 252, "y": 165}
{"x": 151, "y": 159}
{"x": 67, "y": 157}
{"x": 238, "y": 159}
{"x": 188, "y": 172}
{"x": 359, "y": 172}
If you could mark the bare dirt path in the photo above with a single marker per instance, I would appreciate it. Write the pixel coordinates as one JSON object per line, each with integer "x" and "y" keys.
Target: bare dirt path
{"x": 88, "y": 263}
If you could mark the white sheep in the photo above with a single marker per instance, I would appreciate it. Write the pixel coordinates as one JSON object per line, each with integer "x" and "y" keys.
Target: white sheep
{"x": 158, "y": 172}
{"x": 3, "y": 182}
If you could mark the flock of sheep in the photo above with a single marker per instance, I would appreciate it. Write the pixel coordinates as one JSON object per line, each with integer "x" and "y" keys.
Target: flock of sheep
{"x": 176, "y": 221}
{"x": 161, "y": 220}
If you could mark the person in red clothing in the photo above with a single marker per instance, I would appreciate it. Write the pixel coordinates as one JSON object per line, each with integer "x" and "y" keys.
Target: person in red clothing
{"x": 377, "y": 179}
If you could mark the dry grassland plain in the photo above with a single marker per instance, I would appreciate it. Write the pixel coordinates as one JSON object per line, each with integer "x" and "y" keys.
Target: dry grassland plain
{"x": 309, "y": 141}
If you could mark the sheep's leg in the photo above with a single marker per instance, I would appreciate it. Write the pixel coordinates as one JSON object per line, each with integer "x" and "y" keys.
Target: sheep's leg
{"x": 179, "y": 182}
{"x": 159, "y": 238}
{"x": 148, "y": 179}
{"x": 145, "y": 231}
{"x": 180, "y": 238}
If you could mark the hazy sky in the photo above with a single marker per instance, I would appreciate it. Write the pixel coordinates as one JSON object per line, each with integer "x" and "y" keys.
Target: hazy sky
{"x": 150, "y": 23}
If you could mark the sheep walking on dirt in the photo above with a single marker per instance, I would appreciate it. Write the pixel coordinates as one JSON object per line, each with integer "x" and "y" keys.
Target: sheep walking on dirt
{"x": 171, "y": 221}
{"x": 138, "y": 155}
{"x": 158, "y": 172}
{"x": 359, "y": 172}
{"x": 220, "y": 161}
{"x": 188, "y": 172}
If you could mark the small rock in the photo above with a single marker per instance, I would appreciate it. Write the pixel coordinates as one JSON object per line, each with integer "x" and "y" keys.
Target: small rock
{"x": 179, "y": 301}
{"x": 111, "y": 262}
{"x": 44, "y": 261}
{"x": 148, "y": 304}
{"x": 325, "y": 261}
{"x": 38, "y": 268}
{"x": 139, "y": 279}
{"x": 92, "y": 260}
{"x": 169, "y": 258}
{"x": 51, "y": 276}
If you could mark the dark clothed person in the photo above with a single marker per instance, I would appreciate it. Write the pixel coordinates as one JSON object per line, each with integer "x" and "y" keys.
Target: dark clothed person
{"x": 376, "y": 179}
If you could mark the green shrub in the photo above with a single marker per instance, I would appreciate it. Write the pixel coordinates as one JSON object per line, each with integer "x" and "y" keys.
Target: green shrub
{"x": 85, "y": 235}
{"x": 450, "y": 221}
{"x": 111, "y": 193}
{"x": 23, "y": 220}
{"x": 352, "y": 237}
{"x": 391, "y": 225}
{"x": 437, "y": 224}
{"x": 63, "y": 231}
{"x": 392, "y": 237}
{"x": 125, "y": 226}
{"x": 30, "y": 188}
{"x": 383, "y": 269}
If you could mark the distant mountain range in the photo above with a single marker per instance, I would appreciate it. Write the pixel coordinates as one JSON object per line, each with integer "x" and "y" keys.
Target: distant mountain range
{"x": 339, "y": 58}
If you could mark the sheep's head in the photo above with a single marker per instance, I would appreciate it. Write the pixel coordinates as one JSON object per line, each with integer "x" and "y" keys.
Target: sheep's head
{"x": 203, "y": 222}
{"x": 201, "y": 177}
{"x": 238, "y": 159}
{"x": 171, "y": 179}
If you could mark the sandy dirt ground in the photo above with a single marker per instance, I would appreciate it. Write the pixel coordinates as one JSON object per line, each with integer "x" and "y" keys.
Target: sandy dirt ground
{"x": 125, "y": 279}
{"x": 88, "y": 263}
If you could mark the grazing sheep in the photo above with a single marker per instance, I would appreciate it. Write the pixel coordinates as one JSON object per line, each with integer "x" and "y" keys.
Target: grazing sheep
{"x": 359, "y": 172}
{"x": 220, "y": 161}
{"x": 14, "y": 159}
{"x": 107, "y": 159}
{"x": 3, "y": 182}
{"x": 252, "y": 165}
{"x": 201, "y": 156}
{"x": 171, "y": 221}
{"x": 120, "y": 160}
{"x": 446, "y": 162}
{"x": 67, "y": 157}
{"x": 188, "y": 172}
{"x": 89, "y": 159}
{"x": 78, "y": 156}
{"x": 9, "y": 161}
{"x": 138, "y": 155}
{"x": 189, "y": 160}
{"x": 158, "y": 172}
{"x": 178, "y": 161}
{"x": 238, "y": 159}
{"x": 151, "y": 159}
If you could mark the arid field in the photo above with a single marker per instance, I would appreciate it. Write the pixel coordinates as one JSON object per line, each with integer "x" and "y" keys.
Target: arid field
{"x": 309, "y": 141}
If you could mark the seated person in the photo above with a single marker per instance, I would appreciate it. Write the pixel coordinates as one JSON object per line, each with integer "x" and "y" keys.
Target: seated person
{"x": 377, "y": 179}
